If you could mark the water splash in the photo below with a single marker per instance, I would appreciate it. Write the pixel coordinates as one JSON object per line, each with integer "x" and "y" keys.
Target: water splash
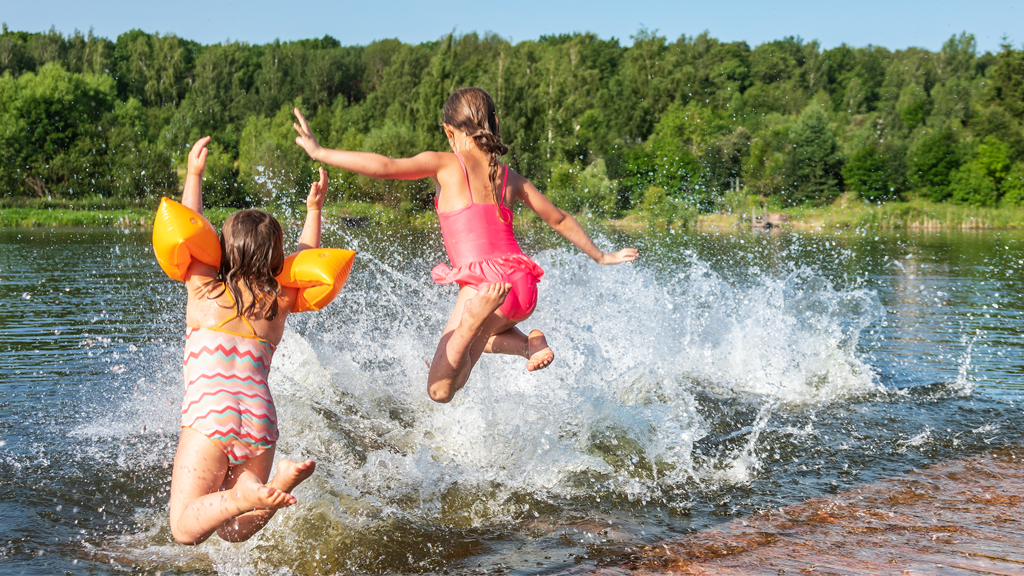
{"x": 964, "y": 385}
{"x": 642, "y": 363}
{"x": 618, "y": 412}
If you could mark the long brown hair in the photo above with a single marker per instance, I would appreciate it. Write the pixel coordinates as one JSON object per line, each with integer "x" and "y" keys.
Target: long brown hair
{"x": 252, "y": 254}
{"x": 471, "y": 110}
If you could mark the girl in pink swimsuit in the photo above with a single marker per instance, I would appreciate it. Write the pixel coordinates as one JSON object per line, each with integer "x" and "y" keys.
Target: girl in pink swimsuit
{"x": 475, "y": 193}
{"x": 235, "y": 319}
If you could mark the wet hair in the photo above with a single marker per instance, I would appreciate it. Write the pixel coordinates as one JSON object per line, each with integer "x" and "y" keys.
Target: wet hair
{"x": 471, "y": 110}
{"x": 252, "y": 254}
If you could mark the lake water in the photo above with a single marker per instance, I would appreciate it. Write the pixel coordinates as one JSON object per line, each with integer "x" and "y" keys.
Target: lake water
{"x": 717, "y": 376}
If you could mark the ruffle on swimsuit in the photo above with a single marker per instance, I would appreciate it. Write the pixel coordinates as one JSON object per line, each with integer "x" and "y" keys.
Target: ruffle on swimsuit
{"x": 489, "y": 271}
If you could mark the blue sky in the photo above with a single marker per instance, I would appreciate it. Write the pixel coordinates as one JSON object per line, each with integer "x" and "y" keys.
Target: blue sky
{"x": 894, "y": 24}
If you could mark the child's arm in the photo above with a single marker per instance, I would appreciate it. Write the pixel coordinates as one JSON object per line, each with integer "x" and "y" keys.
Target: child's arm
{"x": 563, "y": 223}
{"x": 192, "y": 195}
{"x": 310, "y": 237}
{"x": 422, "y": 165}
{"x": 198, "y": 273}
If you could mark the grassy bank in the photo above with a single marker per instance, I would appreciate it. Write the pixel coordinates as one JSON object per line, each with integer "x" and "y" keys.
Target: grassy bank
{"x": 88, "y": 214}
{"x": 912, "y": 215}
{"x": 66, "y": 218}
{"x": 846, "y": 214}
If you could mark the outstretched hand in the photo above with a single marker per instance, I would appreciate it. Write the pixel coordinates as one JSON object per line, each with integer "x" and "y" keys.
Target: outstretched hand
{"x": 197, "y": 156}
{"x": 317, "y": 193}
{"x": 306, "y": 139}
{"x": 624, "y": 255}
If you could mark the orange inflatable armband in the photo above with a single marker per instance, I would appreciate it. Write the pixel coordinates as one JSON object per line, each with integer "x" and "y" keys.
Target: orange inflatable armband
{"x": 181, "y": 234}
{"x": 318, "y": 273}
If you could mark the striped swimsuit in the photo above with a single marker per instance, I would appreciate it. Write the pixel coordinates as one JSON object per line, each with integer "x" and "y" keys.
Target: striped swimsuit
{"x": 226, "y": 394}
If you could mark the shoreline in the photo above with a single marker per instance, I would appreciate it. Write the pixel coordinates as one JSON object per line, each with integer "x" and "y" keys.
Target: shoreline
{"x": 960, "y": 514}
{"x": 914, "y": 215}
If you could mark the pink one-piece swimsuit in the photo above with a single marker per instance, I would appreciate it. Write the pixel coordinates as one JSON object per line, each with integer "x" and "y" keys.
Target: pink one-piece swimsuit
{"x": 227, "y": 397}
{"x": 483, "y": 250}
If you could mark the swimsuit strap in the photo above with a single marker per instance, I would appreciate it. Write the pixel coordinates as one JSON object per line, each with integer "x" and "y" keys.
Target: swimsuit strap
{"x": 466, "y": 173}
{"x": 244, "y": 319}
{"x": 236, "y": 315}
{"x": 503, "y": 182}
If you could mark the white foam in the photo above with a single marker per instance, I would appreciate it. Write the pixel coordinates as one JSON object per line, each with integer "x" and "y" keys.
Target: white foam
{"x": 617, "y": 405}
{"x": 618, "y": 412}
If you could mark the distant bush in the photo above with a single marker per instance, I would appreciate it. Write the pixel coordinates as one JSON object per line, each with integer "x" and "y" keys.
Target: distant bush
{"x": 575, "y": 189}
{"x": 933, "y": 163}
{"x": 876, "y": 175}
{"x": 971, "y": 185}
{"x": 1013, "y": 186}
{"x": 659, "y": 206}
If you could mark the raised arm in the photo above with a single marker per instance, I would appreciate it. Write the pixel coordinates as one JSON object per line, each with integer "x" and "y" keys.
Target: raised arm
{"x": 192, "y": 194}
{"x": 563, "y": 223}
{"x": 422, "y": 165}
{"x": 310, "y": 237}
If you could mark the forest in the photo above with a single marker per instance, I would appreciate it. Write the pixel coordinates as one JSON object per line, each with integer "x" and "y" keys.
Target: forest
{"x": 657, "y": 127}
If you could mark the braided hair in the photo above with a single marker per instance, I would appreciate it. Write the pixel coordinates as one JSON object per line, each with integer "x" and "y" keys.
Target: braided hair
{"x": 471, "y": 110}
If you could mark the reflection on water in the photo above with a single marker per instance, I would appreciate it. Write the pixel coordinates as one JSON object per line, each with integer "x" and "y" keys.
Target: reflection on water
{"x": 719, "y": 375}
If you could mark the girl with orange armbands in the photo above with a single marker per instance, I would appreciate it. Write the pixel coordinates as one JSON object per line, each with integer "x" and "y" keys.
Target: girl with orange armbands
{"x": 241, "y": 289}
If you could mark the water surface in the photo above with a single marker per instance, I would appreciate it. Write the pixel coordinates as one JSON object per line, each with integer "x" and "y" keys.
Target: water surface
{"x": 717, "y": 376}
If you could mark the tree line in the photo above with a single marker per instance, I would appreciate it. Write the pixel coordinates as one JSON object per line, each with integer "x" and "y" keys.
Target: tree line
{"x": 657, "y": 126}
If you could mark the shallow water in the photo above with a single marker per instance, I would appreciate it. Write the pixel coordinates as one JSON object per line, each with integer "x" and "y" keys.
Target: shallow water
{"x": 717, "y": 376}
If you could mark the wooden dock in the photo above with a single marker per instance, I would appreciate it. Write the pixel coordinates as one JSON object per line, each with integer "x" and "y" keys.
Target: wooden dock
{"x": 962, "y": 517}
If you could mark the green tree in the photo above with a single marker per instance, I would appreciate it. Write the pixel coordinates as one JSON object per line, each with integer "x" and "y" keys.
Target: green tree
{"x": 971, "y": 185}
{"x": 13, "y": 57}
{"x": 1008, "y": 80}
{"x": 51, "y": 133}
{"x": 152, "y": 68}
{"x": 679, "y": 121}
{"x": 639, "y": 91}
{"x": 88, "y": 53}
{"x": 777, "y": 61}
{"x": 658, "y": 205}
{"x": 138, "y": 168}
{"x": 877, "y": 175}
{"x": 271, "y": 168}
{"x": 993, "y": 157}
{"x": 932, "y": 164}
{"x": 766, "y": 162}
{"x": 815, "y": 164}
{"x": 913, "y": 105}
{"x": 1013, "y": 186}
{"x": 578, "y": 189}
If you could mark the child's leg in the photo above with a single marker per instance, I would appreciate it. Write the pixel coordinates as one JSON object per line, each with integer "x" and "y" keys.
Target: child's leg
{"x": 198, "y": 508}
{"x": 461, "y": 346}
{"x": 289, "y": 475}
{"x": 520, "y": 304}
{"x": 513, "y": 342}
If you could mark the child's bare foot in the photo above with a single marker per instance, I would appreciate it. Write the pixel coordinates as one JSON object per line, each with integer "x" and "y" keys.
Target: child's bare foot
{"x": 479, "y": 307}
{"x": 290, "y": 474}
{"x": 255, "y": 495}
{"x": 540, "y": 354}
